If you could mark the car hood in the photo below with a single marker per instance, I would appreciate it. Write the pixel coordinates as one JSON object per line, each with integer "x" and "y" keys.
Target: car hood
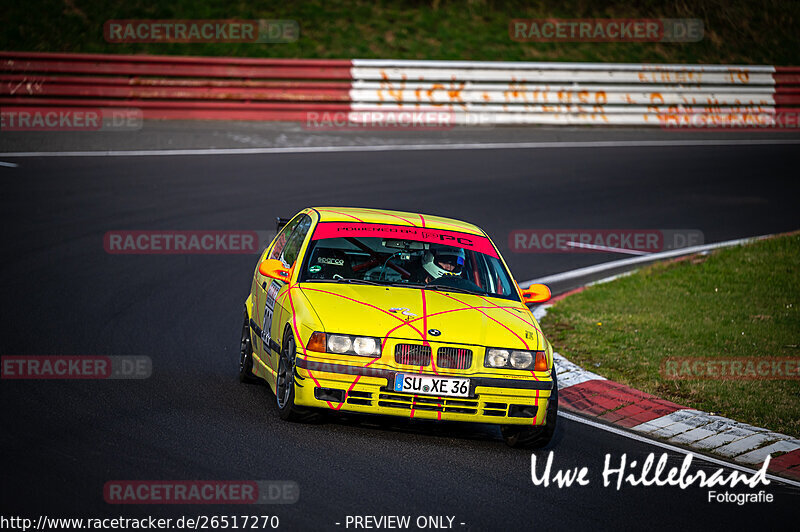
{"x": 410, "y": 313}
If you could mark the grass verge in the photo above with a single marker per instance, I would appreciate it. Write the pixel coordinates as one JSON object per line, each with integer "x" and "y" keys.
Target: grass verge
{"x": 736, "y": 31}
{"x": 736, "y": 302}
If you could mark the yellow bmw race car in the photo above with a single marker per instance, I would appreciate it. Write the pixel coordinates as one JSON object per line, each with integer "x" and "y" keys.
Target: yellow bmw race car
{"x": 402, "y": 314}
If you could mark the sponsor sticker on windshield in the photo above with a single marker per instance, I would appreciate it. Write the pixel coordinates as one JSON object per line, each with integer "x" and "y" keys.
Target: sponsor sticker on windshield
{"x": 478, "y": 243}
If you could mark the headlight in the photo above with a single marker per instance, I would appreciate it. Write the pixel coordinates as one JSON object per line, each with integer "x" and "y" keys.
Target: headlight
{"x": 365, "y": 346}
{"x": 338, "y": 343}
{"x": 514, "y": 359}
{"x": 345, "y": 344}
{"x": 520, "y": 359}
{"x": 496, "y": 358}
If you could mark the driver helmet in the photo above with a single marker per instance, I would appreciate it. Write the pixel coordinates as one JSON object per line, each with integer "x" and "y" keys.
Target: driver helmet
{"x": 441, "y": 260}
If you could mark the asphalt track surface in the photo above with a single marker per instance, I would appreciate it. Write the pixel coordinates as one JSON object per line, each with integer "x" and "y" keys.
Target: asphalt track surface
{"x": 64, "y": 295}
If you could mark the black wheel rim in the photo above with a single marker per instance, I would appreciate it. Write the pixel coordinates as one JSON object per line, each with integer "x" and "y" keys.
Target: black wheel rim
{"x": 284, "y": 377}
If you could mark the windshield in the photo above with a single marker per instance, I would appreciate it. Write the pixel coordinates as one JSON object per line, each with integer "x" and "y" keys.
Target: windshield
{"x": 406, "y": 256}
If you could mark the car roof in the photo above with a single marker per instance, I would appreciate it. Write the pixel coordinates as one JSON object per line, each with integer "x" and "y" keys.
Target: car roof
{"x": 383, "y": 216}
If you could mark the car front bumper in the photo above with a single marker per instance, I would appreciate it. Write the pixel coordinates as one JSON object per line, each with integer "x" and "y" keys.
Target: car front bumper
{"x": 342, "y": 387}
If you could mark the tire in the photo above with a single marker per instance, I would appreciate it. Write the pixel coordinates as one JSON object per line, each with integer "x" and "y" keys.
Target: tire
{"x": 535, "y": 437}
{"x": 285, "y": 385}
{"x": 246, "y": 354}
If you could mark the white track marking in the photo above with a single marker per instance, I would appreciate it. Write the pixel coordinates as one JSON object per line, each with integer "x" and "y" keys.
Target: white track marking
{"x": 626, "y": 434}
{"x": 411, "y": 147}
{"x": 607, "y": 248}
{"x": 605, "y": 266}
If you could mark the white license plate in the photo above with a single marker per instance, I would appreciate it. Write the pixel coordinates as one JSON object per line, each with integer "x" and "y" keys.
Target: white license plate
{"x": 427, "y": 385}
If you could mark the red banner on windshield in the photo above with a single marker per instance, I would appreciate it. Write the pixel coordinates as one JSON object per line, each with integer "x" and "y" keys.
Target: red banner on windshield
{"x": 478, "y": 243}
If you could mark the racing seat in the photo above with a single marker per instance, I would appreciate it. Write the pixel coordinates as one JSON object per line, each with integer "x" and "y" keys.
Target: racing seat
{"x": 331, "y": 262}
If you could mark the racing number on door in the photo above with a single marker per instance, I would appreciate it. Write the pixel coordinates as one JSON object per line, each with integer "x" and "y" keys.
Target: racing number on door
{"x": 269, "y": 309}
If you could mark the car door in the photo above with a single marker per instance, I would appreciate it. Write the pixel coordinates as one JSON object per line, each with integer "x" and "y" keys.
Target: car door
{"x": 281, "y": 305}
{"x": 262, "y": 310}
{"x": 276, "y": 306}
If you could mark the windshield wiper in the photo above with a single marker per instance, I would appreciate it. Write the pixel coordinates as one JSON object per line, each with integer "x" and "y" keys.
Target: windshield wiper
{"x": 343, "y": 281}
{"x": 445, "y": 288}
{"x": 355, "y": 281}
{"x": 438, "y": 287}
{"x": 408, "y": 285}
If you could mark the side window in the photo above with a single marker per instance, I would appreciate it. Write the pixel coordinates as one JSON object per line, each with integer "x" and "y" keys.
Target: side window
{"x": 295, "y": 241}
{"x": 283, "y": 237}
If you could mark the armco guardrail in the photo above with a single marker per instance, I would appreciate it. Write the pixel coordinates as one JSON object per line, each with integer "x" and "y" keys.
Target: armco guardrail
{"x": 479, "y": 93}
{"x": 173, "y": 87}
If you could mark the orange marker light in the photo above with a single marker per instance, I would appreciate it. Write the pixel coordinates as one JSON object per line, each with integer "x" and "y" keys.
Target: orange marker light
{"x": 317, "y": 342}
{"x": 541, "y": 362}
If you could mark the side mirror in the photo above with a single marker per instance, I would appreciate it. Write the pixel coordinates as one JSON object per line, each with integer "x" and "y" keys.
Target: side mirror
{"x": 280, "y": 223}
{"x": 274, "y": 269}
{"x": 535, "y": 293}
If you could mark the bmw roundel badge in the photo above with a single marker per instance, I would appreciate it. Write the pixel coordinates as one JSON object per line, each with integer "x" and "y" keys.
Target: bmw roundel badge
{"x": 434, "y": 332}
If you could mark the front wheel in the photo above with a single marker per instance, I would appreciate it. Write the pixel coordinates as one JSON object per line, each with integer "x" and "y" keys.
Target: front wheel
{"x": 535, "y": 437}
{"x": 285, "y": 385}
